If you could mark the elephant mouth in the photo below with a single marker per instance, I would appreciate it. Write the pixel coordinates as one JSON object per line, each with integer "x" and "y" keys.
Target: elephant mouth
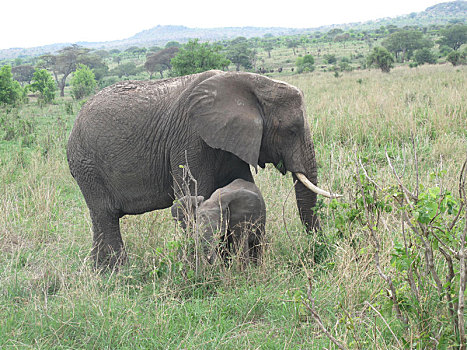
{"x": 308, "y": 184}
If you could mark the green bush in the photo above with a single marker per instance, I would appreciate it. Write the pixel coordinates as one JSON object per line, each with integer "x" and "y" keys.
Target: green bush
{"x": 83, "y": 82}
{"x": 44, "y": 84}
{"x": 424, "y": 55}
{"x": 195, "y": 57}
{"x": 330, "y": 58}
{"x": 11, "y": 92}
{"x": 381, "y": 58}
{"x": 305, "y": 64}
{"x": 456, "y": 57}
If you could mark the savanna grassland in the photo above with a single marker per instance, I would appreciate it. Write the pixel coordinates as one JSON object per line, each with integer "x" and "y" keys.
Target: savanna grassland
{"x": 50, "y": 298}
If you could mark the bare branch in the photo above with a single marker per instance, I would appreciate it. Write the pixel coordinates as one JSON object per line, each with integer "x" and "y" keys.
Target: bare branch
{"x": 406, "y": 192}
{"x": 462, "y": 268}
{"x": 387, "y": 325}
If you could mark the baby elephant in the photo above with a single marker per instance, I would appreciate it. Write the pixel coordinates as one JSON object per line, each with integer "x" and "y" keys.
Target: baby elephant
{"x": 232, "y": 220}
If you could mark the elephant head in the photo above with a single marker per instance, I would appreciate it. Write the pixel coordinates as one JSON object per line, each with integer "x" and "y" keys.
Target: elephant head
{"x": 234, "y": 214}
{"x": 261, "y": 121}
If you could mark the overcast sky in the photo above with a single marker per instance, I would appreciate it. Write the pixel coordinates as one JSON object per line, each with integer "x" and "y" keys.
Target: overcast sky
{"x": 31, "y": 23}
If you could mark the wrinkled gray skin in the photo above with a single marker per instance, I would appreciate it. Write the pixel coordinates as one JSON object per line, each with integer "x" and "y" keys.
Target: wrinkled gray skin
{"x": 129, "y": 140}
{"x": 234, "y": 215}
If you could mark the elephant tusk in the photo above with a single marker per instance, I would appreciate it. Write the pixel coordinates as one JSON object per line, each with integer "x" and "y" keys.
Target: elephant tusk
{"x": 308, "y": 184}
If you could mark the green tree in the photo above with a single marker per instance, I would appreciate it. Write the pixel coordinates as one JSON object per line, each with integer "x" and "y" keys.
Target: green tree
{"x": 160, "y": 61}
{"x": 305, "y": 64}
{"x": 454, "y": 36}
{"x": 83, "y": 82}
{"x": 43, "y": 83}
{"x": 23, "y": 73}
{"x": 195, "y": 57}
{"x": 292, "y": 43}
{"x": 64, "y": 63}
{"x": 268, "y": 46}
{"x": 404, "y": 42}
{"x": 456, "y": 57}
{"x": 381, "y": 58}
{"x": 424, "y": 55}
{"x": 125, "y": 69}
{"x": 330, "y": 58}
{"x": 240, "y": 54}
{"x": 10, "y": 91}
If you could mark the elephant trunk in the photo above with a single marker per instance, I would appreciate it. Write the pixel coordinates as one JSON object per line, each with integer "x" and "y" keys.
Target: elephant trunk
{"x": 306, "y": 203}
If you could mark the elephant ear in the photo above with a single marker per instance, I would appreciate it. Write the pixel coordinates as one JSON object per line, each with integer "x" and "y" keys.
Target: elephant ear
{"x": 183, "y": 209}
{"x": 242, "y": 204}
{"x": 226, "y": 114}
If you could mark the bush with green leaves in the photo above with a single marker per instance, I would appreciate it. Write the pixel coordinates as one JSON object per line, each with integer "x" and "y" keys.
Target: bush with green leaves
{"x": 11, "y": 92}
{"x": 330, "y": 58}
{"x": 425, "y": 281}
{"x": 195, "y": 57}
{"x": 424, "y": 55}
{"x": 83, "y": 82}
{"x": 456, "y": 57}
{"x": 381, "y": 58}
{"x": 305, "y": 64}
{"x": 43, "y": 83}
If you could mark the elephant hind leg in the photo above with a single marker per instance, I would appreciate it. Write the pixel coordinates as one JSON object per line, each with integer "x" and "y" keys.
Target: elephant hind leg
{"x": 108, "y": 250}
{"x": 255, "y": 247}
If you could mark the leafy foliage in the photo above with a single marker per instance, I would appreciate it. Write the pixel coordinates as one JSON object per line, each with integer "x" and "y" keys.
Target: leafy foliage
{"x": 454, "y": 36}
{"x": 240, "y": 54}
{"x": 305, "y": 64}
{"x": 11, "y": 92}
{"x": 424, "y": 55}
{"x": 404, "y": 42}
{"x": 44, "y": 84}
{"x": 381, "y": 58}
{"x": 195, "y": 57}
{"x": 83, "y": 82}
{"x": 160, "y": 61}
{"x": 456, "y": 57}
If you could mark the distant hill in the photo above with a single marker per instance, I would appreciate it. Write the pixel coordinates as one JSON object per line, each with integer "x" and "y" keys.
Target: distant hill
{"x": 439, "y": 14}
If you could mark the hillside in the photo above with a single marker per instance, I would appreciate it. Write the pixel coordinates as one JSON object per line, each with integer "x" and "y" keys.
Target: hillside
{"x": 439, "y": 14}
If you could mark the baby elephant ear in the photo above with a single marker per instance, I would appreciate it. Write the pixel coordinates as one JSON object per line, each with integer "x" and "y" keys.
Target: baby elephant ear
{"x": 225, "y": 112}
{"x": 184, "y": 208}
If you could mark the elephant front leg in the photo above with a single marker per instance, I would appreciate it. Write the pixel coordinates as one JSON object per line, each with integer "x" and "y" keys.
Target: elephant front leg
{"x": 108, "y": 250}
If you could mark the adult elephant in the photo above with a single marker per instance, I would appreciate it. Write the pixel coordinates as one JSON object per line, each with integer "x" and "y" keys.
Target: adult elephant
{"x": 129, "y": 142}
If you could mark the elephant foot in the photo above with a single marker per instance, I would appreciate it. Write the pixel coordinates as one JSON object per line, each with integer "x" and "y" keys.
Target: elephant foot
{"x": 108, "y": 257}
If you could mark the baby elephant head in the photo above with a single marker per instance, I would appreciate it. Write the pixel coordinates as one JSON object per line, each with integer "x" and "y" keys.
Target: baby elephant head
{"x": 232, "y": 214}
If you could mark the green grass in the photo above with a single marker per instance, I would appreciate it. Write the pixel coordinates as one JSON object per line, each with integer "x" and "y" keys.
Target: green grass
{"x": 51, "y": 299}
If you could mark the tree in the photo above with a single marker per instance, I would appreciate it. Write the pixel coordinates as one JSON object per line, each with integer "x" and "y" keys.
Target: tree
{"x": 23, "y": 74}
{"x": 83, "y": 82}
{"x": 454, "y": 36}
{"x": 43, "y": 83}
{"x": 173, "y": 44}
{"x": 405, "y": 42}
{"x": 10, "y": 90}
{"x": 125, "y": 69}
{"x": 268, "y": 47}
{"x": 305, "y": 64}
{"x": 195, "y": 57}
{"x": 160, "y": 61}
{"x": 292, "y": 43}
{"x": 240, "y": 54}
{"x": 456, "y": 57}
{"x": 381, "y": 58}
{"x": 330, "y": 58}
{"x": 424, "y": 56}
{"x": 63, "y": 64}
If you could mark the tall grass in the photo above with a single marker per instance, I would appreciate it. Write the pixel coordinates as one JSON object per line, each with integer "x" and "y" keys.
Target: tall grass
{"x": 51, "y": 299}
